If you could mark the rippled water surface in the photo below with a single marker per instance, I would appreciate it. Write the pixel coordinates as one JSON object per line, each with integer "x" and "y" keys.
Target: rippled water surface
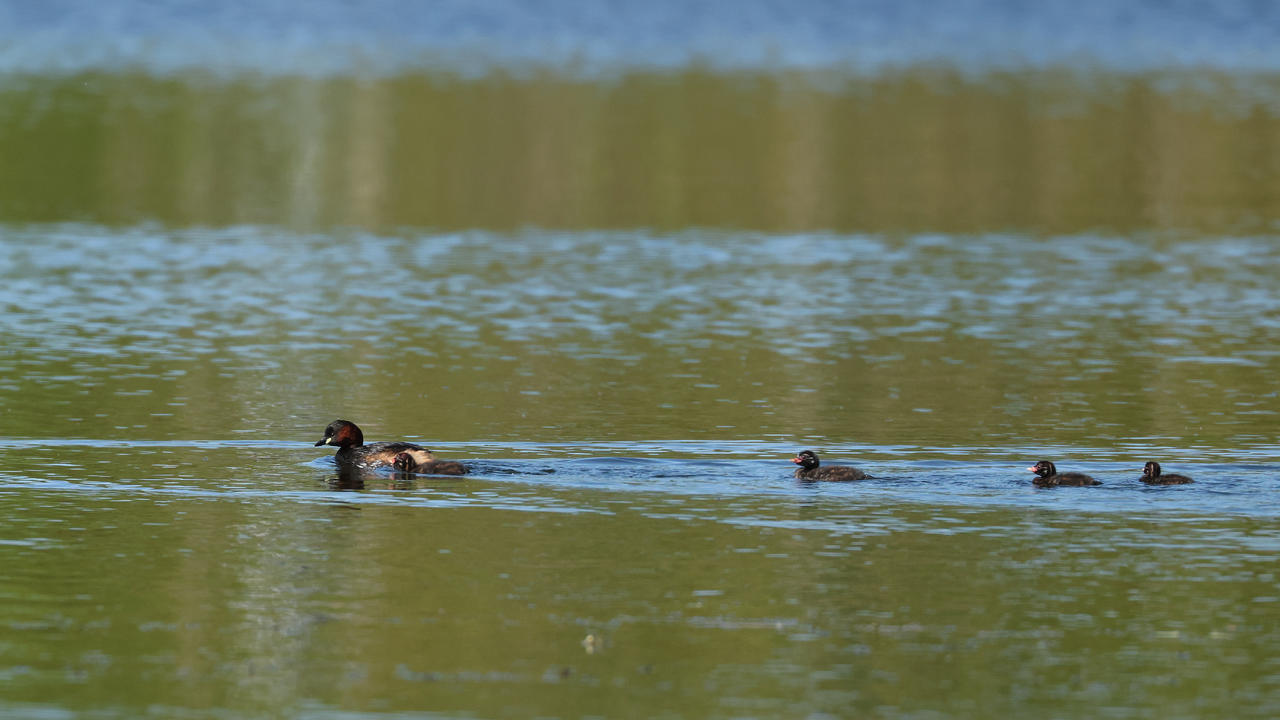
{"x": 624, "y": 263}
{"x": 336, "y": 36}
{"x": 630, "y": 540}
{"x": 985, "y": 342}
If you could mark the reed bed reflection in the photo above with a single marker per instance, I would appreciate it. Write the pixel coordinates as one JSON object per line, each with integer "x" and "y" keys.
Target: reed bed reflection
{"x": 918, "y": 149}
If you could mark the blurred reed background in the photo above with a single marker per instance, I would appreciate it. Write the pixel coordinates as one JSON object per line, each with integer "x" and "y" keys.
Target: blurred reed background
{"x": 918, "y": 149}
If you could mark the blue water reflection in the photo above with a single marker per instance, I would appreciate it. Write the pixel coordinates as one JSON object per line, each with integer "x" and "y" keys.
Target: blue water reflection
{"x": 331, "y": 36}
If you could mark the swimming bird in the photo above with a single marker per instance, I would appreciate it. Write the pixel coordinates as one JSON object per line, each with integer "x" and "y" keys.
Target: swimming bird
{"x": 809, "y": 469}
{"x": 352, "y": 452}
{"x": 1151, "y": 475}
{"x": 1048, "y": 476}
{"x": 405, "y": 462}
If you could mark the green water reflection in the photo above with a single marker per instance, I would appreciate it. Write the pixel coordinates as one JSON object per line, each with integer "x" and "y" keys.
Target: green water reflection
{"x": 1051, "y": 151}
{"x": 197, "y": 273}
{"x": 280, "y": 607}
{"x": 564, "y": 337}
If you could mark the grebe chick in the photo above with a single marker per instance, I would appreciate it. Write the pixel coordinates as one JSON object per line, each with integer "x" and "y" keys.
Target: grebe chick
{"x": 809, "y": 469}
{"x": 405, "y": 462}
{"x": 1048, "y": 476}
{"x": 1151, "y": 475}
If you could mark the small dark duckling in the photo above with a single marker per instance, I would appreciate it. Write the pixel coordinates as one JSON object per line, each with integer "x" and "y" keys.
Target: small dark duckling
{"x": 404, "y": 462}
{"x": 809, "y": 470}
{"x": 1048, "y": 476}
{"x": 346, "y": 436}
{"x": 1151, "y": 475}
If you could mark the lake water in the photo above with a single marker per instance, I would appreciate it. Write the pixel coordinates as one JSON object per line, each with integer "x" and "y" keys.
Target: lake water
{"x": 626, "y": 273}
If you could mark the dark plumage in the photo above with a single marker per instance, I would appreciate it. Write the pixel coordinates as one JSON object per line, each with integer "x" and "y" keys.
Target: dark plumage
{"x": 1048, "y": 476}
{"x": 1151, "y": 475}
{"x": 352, "y": 452}
{"x": 404, "y": 462}
{"x": 809, "y": 469}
